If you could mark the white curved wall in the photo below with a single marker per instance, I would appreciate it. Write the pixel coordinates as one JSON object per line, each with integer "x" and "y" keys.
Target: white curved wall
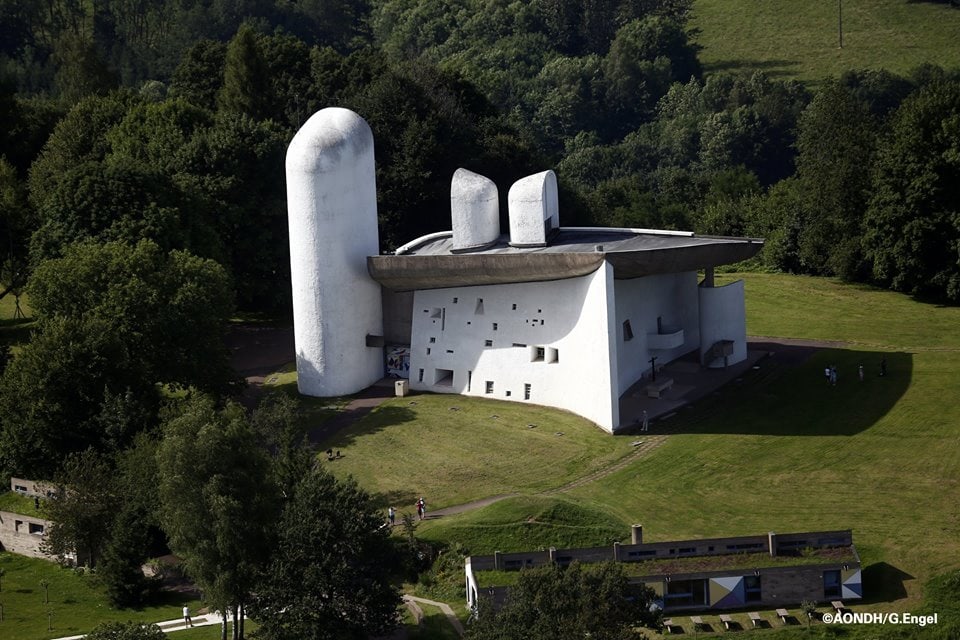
{"x": 534, "y": 209}
{"x": 332, "y": 209}
{"x": 474, "y": 210}
{"x": 723, "y": 316}
{"x": 483, "y": 341}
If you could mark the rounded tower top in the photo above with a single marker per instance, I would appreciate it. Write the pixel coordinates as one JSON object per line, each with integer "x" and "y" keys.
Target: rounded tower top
{"x": 327, "y": 139}
{"x": 474, "y": 210}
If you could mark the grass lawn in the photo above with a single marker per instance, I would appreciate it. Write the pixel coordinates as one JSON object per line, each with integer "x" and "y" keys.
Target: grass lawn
{"x": 527, "y": 522}
{"x": 799, "y": 40}
{"x": 782, "y": 451}
{"x": 454, "y": 449}
{"x": 15, "y": 503}
{"x": 77, "y": 605}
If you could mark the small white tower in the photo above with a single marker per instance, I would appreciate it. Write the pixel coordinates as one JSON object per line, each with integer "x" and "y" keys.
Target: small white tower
{"x": 332, "y": 209}
{"x": 534, "y": 210}
{"x": 474, "y": 210}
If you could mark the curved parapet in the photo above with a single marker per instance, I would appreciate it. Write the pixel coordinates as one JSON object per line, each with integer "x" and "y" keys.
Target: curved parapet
{"x": 332, "y": 209}
{"x": 534, "y": 210}
{"x": 474, "y": 210}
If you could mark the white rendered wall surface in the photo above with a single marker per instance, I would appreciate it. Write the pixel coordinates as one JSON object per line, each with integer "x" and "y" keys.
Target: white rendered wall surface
{"x": 723, "y": 316}
{"x": 545, "y": 343}
{"x": 474, "y": 210}
{"x": 534, "y": 209}
{"x": 332, "y": 209}
{"x": 672, "y": 297}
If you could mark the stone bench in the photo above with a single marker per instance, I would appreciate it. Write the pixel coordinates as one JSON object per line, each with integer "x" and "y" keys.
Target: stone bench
{"x": 654, "y": 389}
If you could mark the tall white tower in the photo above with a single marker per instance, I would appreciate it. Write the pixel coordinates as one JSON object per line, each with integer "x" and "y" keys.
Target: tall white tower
{"x": 332, "y": 209}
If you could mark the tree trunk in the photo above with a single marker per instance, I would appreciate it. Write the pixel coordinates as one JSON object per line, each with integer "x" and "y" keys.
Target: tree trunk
{"x": 236, "y": 629}
{"x": 223, "y": 624}
{"x": 240, "y": 621}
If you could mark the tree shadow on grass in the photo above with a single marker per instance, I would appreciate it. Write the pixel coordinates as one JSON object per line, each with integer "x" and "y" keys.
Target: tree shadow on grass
{"x": 771, "y": 68}
{"x": 790, "y": 395}
{"x": 345, "y": 429}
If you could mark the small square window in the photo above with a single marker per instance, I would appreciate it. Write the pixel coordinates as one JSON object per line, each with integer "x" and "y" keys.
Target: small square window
{"x": 488, "y": 343}
{"x": 508, "y": 394}
{"x": 489, "y": 388}
{"x": 495, "y": 326}
{"x": 514, "y": 306}
{"x": 433, "y": 340}
{"x": 456, "y": 300}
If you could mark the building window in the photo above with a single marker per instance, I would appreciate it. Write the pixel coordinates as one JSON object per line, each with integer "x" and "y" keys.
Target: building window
{"x": 19, "y": 488}
{"x": 751, "y": 588}
{"x": 831, "y": 584}
{"x": 553, "y": 355}
{"x": 469, "y": 379}
{"x": 436, "y": 312}
{"x": 449, "y": 350}
{"x": 433, "y": 340}
{"x": 456, "y": 300}
{"x": 686, "y": 593}
{"x": 495, "y": 326}
{"x": 627, "y": 331}
{"x": 479, "y": 310}
{"x": 36, "y": 529}
{"x": 514, "y": 306}
{"x": 537, "y": 354}
{"x": 16, "y": 525}
{"x": 526, "y": 391}
{"x": 488, "y": 343}
{"x": 443, "y": 377}
{"x": 428, "y": 350}
{"x": 518, "y": 344}
{"x": 508, "y": 394}
{"x": 489, "y": 386}
{"x": 420, "y": 376}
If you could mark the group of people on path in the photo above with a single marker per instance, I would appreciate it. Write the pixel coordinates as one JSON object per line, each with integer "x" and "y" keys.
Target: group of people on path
{"x": 421, "y": 512}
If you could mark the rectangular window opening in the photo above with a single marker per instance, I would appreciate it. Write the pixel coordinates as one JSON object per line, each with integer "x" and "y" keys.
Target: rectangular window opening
{"x": 456, "y": 300}
{"x": 479, "y": 310}
{"x": 553, "y": 355}
{"x": 526, "y": 391}
{"x": 420, "y": 376}
{"x": 489, "y": 387}
{"x": 36, "y": 529}
{"x": 627, "y": 331}
{"x": 433, "y": 340}
{"x": 488, "y": 343}
{"x": 469, "y": 379}
{"x": 443, "y": 377}
{"x": 428, "y": 350}
{"x": 508, "y": 394}
{"x": 495, "y": 326}
{"x": 514, "y": 306}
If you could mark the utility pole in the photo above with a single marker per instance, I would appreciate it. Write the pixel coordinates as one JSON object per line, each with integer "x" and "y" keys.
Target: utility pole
{"x": 840, "y": 21}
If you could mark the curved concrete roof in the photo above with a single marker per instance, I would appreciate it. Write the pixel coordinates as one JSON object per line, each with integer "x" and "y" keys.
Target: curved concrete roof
{"x": 429, "y": 263}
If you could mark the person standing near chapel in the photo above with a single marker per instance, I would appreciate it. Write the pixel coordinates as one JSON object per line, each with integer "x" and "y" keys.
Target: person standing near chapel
{"x": 392, "y": 515}
{"x": 645, "y": 421}
{"x": 187, "y": 620}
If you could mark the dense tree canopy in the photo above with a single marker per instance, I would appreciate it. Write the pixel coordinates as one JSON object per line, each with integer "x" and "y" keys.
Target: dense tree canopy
{"x": 578, "y": 601}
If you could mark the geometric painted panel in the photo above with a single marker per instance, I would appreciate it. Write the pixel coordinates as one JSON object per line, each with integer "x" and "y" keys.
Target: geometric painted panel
{"x": 726, "y": 592}
{"x": 852, "y": 583}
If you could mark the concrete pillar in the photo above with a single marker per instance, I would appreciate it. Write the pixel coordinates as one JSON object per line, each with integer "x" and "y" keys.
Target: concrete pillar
{"x": 636, "y": 534}
{"x": 497, "y": 561}
{"x": 772, "y": 543}
{"x": 616, "y": 552}
{"x": 708, "y": 277}
{"x": 553, "y": 554}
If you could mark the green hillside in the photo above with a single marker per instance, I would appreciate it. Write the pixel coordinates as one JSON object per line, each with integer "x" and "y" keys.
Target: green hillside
{"x": 799, "y": 40}
{"x": 781, "y": 451}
